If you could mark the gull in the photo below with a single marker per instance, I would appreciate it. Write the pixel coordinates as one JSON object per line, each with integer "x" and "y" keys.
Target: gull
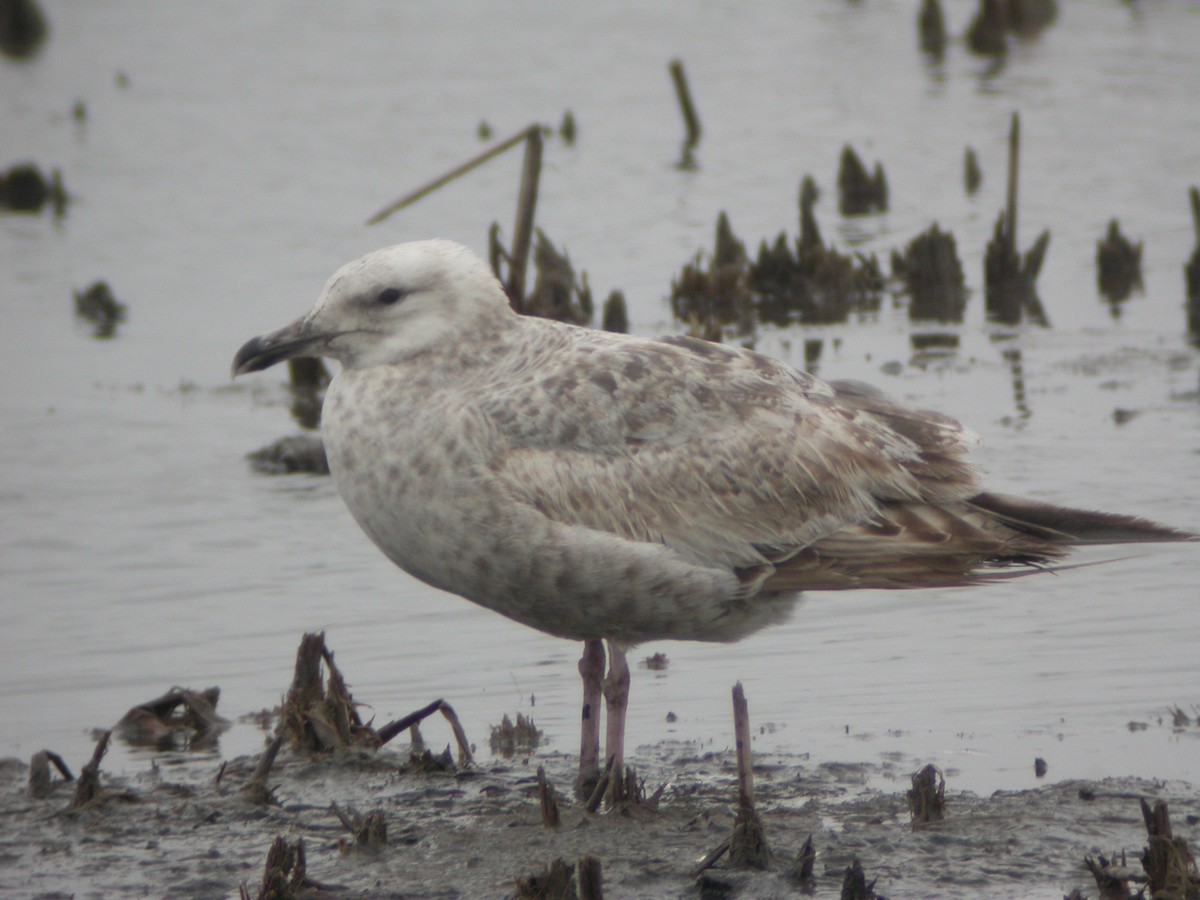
{"x": 615, "y": 489}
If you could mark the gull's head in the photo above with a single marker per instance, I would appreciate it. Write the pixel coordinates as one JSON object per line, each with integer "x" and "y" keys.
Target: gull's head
{"x": 386, "y": 306}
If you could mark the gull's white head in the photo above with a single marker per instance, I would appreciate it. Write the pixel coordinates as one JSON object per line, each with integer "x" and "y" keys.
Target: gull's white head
{"x": 386, "y": 306}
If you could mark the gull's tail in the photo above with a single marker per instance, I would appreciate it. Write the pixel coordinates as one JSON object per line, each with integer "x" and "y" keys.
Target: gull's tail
{"x": 1066, "y": 527}
{"x": 916, "y": 545}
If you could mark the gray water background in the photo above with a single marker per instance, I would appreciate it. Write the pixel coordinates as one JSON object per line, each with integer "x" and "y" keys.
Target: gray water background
{"x": 220, "y": 185}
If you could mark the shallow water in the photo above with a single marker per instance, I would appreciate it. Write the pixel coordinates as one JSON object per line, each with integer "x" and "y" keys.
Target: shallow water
{"x": 220, "y": 187}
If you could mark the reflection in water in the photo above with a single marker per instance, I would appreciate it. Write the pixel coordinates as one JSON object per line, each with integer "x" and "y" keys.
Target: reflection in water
{"x": 933, "y": 347}
{"x": 1012, "y": 356}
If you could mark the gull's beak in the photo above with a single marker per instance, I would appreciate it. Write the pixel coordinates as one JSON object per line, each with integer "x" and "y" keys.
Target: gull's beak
{"x": 289, "y": 342}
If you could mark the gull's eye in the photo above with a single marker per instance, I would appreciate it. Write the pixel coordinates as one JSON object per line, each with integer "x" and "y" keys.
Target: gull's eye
{"x": 388, "y": 296}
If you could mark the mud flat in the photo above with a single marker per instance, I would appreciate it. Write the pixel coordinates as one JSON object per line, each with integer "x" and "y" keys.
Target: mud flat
{"x": 178, "y": 830}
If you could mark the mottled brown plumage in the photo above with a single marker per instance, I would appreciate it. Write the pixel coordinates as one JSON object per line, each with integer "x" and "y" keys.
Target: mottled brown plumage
{"x": 602, "y": 486}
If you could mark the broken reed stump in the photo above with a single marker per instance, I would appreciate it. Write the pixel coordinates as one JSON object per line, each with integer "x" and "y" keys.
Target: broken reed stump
{"x": 927, "y": 796}
{"x": 589, "y": 878}
{"x": 294, "y": 453}
{"x": 180, "y": 716}
{"x": 727, "y": 249}
{"x": 283, "y": 873}
{"x": 801, "y": 869}
{"x": 256, "y": 789}
{"x": 567, "y": 129}
{"x": 972, "y": 174}
{"x": 988, "y": 32}
{"x": 24, "y": 189}
{"x": 931, "y": 26}
{"x": 691, "y": 120}
{"x": 317, "y": 717}
{"x": 1170, "y": 867}
{"x": 813, "y": 348}
{"x": 748, "y": 847}
{"x": 22, "y": 28}
{"x": 547, "y": 800}
{"x": 41, "y": 784}
{"x": 787, "y": 283}
{"x": 1118, "y": 266}
{"x": 308, "y": 373}
{"x": 1191, "y": 271}
{"x": 555, "y": 882}
{"x": 557, "y": 294}
{"x": 933, "y": 277}
{"x": 509, "y": 738}
{"x": 996, "y": 19}
{"x": 1027, "y": 17}
{"x": 1110, "y": 876}
{"x": 87, "y": 788}
{"x": 810, "y": 232}
{"x": 367, "y": 831}
{"x": 308, "y": 378}
{"x": 707, "y": 299}
{"x": 1009, "y": 277}
{"x": 860, "y": 192}
{"x": 601, "y": 788}
{"x": 1168, "y": 870}
{"x": 561, "y": 880}
{"x": 628, "y": 792}
{"x": 99, "y": 307}
{"x": 615, "y": 317}
{"x": 621, "y": 791}
{"x": 854, "y": 883}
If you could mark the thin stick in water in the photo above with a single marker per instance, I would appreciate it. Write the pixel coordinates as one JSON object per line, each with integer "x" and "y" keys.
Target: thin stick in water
{"x": 457, "y": 171}
{"x": 684, "y": 95}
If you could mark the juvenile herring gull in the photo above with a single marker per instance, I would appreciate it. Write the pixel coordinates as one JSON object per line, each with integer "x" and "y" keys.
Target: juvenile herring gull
{"x": 603, "y": 487}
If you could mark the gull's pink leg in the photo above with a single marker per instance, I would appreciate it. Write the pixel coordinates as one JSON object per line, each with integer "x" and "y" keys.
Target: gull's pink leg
{"x": 591, "y": 668}
{"x": 616, "y": 696}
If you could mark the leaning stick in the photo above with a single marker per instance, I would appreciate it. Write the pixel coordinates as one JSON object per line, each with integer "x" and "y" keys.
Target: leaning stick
{"x": 457, "y": 171}
{"x": 1010, "y": 212}
{"x": 684, "y": 95}
{"x": 531, "y": 170}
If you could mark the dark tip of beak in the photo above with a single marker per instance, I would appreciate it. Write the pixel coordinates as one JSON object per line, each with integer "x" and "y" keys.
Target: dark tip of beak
{"x": 266, "y": 350}
{"x": 252, "y": 357}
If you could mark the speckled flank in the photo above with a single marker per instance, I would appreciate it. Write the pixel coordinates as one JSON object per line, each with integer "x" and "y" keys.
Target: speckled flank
{"x": 598, "y": 485}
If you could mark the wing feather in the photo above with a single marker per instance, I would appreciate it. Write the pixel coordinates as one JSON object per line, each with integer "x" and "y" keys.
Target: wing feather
{"x": 730, "y": 457}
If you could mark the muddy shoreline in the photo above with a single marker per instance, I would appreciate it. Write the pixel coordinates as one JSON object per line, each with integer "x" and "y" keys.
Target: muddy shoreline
{"x": 175, "y": 830}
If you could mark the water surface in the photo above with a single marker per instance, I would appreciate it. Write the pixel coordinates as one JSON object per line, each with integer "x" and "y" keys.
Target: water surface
{"x": 218, "y": 188}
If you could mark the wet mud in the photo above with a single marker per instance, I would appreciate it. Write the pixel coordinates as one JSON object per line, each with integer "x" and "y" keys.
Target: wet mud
{"x": 186, "y": 827}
